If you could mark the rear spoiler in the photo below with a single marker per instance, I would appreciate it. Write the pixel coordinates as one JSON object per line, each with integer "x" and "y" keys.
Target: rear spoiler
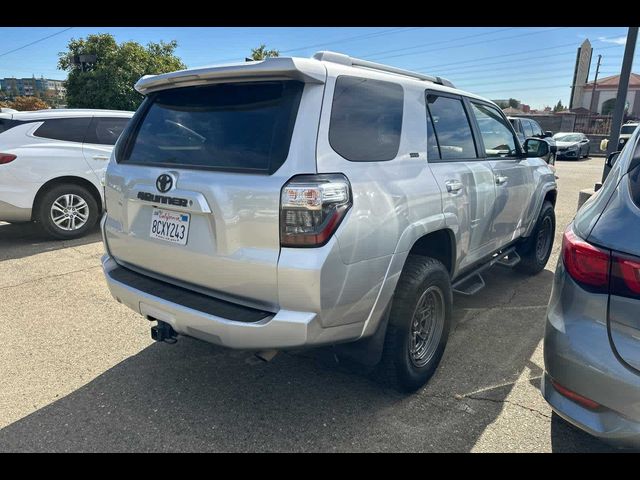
{"x": 306, "y": 70}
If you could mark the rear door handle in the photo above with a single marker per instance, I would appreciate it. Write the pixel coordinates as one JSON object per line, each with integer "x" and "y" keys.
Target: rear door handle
{"x": 501, "y": 180}
{"x": 101, "y": 157}
{"x": 453, "y": 186}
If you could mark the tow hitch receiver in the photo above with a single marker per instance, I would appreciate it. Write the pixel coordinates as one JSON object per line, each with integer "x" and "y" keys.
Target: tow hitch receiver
{"x": 163, "y": 332}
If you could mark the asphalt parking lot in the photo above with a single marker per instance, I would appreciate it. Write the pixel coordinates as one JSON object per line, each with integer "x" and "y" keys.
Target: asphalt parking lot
{"x": 79, "y": 371}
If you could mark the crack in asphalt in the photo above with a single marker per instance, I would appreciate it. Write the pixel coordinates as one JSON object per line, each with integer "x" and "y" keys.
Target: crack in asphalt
{"x": 504, "y": 400}
{"x": 4, "y": 287}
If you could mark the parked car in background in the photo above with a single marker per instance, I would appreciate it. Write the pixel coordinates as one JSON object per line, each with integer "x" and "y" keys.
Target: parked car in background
{"x": 592, "y": 336}
{"x": 625, "y": 133}
{"x": 52, "y": 165}
{"x": 297, "y": 202}
{"x": 572, "y": 145}
{"x": 528, "y": 128}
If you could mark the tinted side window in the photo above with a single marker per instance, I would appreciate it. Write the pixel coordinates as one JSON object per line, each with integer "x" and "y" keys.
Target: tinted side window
{"x": 105, "y": 130}
{"x": 536, "y": 127}
{"x": 6, "y": 124}
{"x": 516, "y": 125}
{"x": 451, "y": 127}
{"x": 496, "y": 134}
{"x": 528, "y": 129}
{"x": 67, "y": 129}
{"x": 433, "y": 151}
{"x": 366, "y": 119}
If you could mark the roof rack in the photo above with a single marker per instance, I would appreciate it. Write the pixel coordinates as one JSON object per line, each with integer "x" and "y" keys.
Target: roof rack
{"x": 343, "y": 59}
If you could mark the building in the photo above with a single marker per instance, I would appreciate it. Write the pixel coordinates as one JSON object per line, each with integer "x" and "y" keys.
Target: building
{"x": 604, "y": 96}
{"x": 601, "y": 99}
{"x": 28, "y": 87}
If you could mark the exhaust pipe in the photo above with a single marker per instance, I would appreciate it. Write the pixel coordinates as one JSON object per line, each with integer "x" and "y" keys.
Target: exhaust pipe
{"x": 266, "y": 355}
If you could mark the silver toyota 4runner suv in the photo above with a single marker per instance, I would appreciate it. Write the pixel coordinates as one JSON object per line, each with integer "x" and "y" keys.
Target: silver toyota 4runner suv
{"x": 297, "y": 202}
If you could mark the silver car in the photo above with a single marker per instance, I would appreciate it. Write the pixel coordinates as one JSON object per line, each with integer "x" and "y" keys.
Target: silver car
{"x": 295, "y": 202}
{"x": 592, "y": 338}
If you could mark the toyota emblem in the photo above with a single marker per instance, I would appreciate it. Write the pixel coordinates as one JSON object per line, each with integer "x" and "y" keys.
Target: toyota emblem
{"x": 164, "y": 183}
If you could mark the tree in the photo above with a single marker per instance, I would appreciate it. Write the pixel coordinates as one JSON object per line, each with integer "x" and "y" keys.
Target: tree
{"x": 559, "y": 107}
{"x": 513, "y": 103}
{"x": 27, "y": 103}
{"x": 261, "y": 53}
{"x": 108, "y": 83}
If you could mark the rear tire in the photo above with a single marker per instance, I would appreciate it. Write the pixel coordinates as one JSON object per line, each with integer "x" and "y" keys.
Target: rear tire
{"x": 66, "y": 211}
{"x": 419, "y": 324}
{"x": 535, "y": 250}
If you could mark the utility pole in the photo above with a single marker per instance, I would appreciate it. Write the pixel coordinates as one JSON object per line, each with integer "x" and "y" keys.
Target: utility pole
{"x": 595, "y": 82}
{"x": 621, "y": 99}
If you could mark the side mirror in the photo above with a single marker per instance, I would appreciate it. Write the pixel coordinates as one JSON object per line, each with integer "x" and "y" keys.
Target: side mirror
{"x": 534, "y": 147}
{"x": 612, "y": 159}
{"x": 547, "y": 134}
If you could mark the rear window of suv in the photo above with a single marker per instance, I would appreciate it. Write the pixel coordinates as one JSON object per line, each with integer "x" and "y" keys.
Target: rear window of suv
{"x": 227, "y": 126}
{"x": 366, "y": 119}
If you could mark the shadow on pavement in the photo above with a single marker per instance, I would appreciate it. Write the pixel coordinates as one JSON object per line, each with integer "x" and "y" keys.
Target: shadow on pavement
{"x": 565, "y": 438}
{"x": 194, "y": 396}
{"x": 18, "y": 240}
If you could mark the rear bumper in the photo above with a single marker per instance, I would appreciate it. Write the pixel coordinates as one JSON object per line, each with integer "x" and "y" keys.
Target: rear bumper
{"x": 282, "y": 329}
{"x": 578, "y": 356}
{"x": 11, "y": 213}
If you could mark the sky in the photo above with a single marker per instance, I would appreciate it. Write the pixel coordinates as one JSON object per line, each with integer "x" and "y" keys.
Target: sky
{"x": 532, "y": 64}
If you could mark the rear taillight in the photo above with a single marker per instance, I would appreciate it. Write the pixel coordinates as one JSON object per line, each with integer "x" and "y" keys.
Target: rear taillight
{"x": 625, "y": 275}
{"x": 586, "y": 264}
{"x": 311, "y": 209}
{"x": 6, "y": 158}
{"x": 600, "y": 270}
{"x": 584, "y": 401}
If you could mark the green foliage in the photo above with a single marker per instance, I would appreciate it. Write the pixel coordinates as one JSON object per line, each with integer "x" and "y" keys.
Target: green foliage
{"x": 261, "y": 53}
{"x": 559, "y": 107}
{"x": 513, "y": 103}
{"x": 108, "y": 83}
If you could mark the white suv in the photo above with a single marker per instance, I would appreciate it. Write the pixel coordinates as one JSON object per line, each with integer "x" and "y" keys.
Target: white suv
{"x": 52, "y": 164}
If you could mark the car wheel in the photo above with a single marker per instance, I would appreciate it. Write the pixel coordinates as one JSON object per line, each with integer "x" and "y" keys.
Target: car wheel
{"x": 419, "y": 324}
{"x": 534, "y": 251}
{"x": 66, "y": 211}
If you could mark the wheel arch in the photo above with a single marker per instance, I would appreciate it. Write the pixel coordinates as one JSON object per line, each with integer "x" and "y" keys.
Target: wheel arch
{"x": 439, "y": 244}
{"x": 65, "y": 180}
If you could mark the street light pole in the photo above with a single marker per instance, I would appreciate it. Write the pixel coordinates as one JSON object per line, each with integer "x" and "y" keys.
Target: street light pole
{"x": 621, "y": 99}
{"x": 595, "y": 82}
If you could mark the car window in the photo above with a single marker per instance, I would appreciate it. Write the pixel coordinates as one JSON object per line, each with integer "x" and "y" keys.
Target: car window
{"x": 105, "y": 130}
{"x": 571, "y": 137}
{"x": 496, "y": 135}
{"x": 366, "y": 119}
{"x": 451, "y": 127}
{"x": 433, "y": 151}
{"x": 537, "y": 131}
{"x": 516, "y": 125}
{"x": 628, "y": 129}
{"x": 6, "y": 124}
{"x": 244, "y": 126}
{"x": 528, "y": 128}
{"x": 66, "y": 129}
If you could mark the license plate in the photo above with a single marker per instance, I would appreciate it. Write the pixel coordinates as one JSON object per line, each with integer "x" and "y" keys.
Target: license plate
{"x": 170, "y": 226}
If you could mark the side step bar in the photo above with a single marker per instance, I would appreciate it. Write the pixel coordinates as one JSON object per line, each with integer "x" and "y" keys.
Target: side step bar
{"x": 473, "y": 282}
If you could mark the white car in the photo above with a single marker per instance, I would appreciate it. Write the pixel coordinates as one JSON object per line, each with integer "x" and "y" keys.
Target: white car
{"x": 52, "y": 164}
